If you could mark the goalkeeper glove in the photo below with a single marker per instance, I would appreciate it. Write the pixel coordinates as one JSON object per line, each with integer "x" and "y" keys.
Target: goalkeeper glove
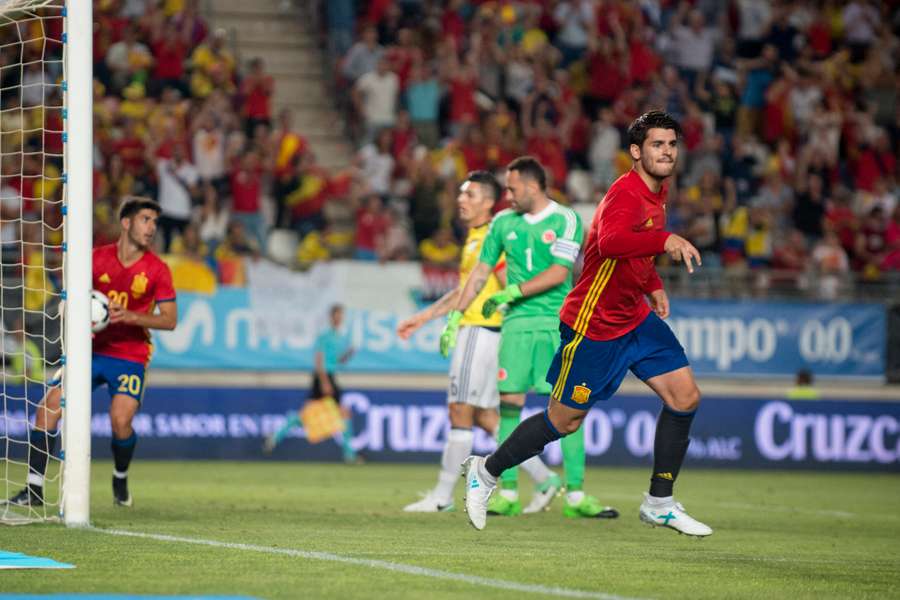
{"x": 509, "y": 294}
{"x": 448, "y": 335}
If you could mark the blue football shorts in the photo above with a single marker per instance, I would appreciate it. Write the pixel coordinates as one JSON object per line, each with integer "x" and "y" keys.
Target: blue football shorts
{"x": 585, "y": 371}
{"x": 121, "y": 376}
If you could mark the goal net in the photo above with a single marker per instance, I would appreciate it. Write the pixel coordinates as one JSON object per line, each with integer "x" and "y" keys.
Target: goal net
{"x": 32, "y": 199}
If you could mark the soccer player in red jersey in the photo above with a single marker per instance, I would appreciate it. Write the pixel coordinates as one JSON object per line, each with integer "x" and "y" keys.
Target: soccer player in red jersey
{"x": 611, "y": 322}
{"x": 141, "y": 297}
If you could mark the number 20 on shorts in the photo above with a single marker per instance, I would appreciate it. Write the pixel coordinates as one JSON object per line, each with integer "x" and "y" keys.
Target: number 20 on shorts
{"x": 129, "y": 384}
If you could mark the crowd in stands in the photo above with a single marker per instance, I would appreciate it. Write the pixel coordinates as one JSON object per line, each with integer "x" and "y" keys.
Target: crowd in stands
{"x": 789, "y": 113}
{"x": 789, "y": 110}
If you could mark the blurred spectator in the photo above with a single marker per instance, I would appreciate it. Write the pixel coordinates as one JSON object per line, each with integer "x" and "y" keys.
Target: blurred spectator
{"x": 375, "y": 97}
{"x": 178, "y": 180}
{"x": 213, "y": 67}
{"x": 397, "y": 243}
{"x": 209, "y": 149}
{"x": 791, "y": 255}
{"x": 440, "y": 250}
{"x": 128, "y": 60}
{"x": 188, "y": 244}
{"x": 170, "y": 50}
{"x": 376, "y": 163}
{"x": 237, "y": 243}
{"x": 246, "y": 196}
{"x": 809, "y": 207}
{"x": 693, "y": 42}
{"x": 575, "y": 22}
{"x": 422, "y": 97}
{"x": 301, "y": 194}
{"x": 371, "y": 226}
{"x": 257, "y": 89}
{"x": 756, "y": 76}
{"x": 871, "y": 243}
{"x": 363, "y": 56}
{"x": 213, "y": 219}
{"x": 23, "y": 359}
{"x": 861, "y": 22}
{"x": 831, "y": 263}
{"x": 287, "y": 143}
{"x": 10, "y": 216}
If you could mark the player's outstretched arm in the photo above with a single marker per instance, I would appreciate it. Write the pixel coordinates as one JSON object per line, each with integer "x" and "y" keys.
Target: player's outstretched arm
{"x": 166, "y": 318}
{"x": 438, "y": 308}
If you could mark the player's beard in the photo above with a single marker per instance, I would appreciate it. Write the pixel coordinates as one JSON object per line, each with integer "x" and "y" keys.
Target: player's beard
{"x": 138, "y": 242}
{"x": 658, "y": 171}
{"x": 524, "y": 206}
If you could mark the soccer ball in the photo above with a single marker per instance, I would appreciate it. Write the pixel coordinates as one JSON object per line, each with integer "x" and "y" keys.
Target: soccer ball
{"x": 99, "y": 311}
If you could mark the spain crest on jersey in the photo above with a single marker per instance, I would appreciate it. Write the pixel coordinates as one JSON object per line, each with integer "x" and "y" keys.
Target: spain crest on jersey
{"x": 139, "y": 284}
{"x": 581, "y": 394}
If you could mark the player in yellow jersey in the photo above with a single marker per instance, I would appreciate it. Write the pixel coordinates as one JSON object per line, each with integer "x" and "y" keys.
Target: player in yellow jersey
{"x": 472, "y": 397}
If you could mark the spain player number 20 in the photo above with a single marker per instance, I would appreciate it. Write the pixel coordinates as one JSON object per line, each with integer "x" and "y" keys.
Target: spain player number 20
{"x": 120, "y": 298}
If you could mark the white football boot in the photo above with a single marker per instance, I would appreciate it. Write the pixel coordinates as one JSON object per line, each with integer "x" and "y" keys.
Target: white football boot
{"x": 544, "y": 495}
{"x": 478, "y": 491}
{"x": 429, "y": 503}
{"x": 672, "y": 515}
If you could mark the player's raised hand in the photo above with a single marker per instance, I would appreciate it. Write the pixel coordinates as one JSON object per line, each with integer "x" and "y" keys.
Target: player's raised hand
{"x": 451, "y": 329}
{"x": 659, "y": 302}
{"x": 682, "y": 250}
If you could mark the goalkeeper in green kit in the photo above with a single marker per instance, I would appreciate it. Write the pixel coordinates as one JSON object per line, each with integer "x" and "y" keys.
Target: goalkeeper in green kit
{"x": 541, "y": 241}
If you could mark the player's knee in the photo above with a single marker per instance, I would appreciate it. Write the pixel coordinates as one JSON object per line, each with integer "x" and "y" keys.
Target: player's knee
{"x": 121, "y": 424}
{"x": 461, "y": 415}
{"x": 570, "y": 426}
{"x": 566, "y": 424}
{"x": 688, "y": 401}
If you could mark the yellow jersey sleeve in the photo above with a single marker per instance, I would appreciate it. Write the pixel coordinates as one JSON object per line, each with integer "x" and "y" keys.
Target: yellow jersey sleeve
{"x": 470, "y": 252}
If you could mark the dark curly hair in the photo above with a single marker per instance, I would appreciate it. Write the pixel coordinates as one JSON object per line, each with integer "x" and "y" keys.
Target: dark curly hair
{"x": 655, "y": 119}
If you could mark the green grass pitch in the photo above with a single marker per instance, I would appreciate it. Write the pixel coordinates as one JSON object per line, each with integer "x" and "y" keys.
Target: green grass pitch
{"x": 777, "y": 535}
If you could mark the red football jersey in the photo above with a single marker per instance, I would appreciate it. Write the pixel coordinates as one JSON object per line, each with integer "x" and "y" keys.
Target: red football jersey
{"x": 625, "y": 235}
{"x": 138, "y": 288}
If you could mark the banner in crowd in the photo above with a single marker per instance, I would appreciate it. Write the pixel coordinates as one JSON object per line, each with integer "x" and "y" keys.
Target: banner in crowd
{"x": 273, "y": 323}
{"x": 395, "y": 425}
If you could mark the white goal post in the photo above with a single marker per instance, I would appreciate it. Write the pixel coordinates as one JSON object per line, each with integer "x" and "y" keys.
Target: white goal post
{"x": 46, "y": 194}
{"x": 79, "y": 226}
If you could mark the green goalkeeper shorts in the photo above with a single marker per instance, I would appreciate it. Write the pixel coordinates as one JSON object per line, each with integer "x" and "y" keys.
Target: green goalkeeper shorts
{"x": 525, "y": 357}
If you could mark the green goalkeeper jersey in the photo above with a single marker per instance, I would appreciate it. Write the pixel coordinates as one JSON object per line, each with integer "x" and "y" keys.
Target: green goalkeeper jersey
{"x": 531, "y": 244}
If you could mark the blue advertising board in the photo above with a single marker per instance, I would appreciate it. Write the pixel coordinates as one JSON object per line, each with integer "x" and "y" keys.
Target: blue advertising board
{"x": 404, "y": 425}
{"x": 721, "y": 338}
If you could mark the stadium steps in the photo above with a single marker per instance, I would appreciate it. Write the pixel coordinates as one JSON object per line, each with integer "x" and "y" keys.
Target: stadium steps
{"x": 283, "y": 35}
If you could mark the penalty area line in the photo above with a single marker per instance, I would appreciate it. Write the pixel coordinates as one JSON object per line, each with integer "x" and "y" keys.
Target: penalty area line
{"x": 384, "y": 565}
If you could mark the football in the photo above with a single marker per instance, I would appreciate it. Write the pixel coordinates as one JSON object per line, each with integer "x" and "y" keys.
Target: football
{"x": 99, "y": 311}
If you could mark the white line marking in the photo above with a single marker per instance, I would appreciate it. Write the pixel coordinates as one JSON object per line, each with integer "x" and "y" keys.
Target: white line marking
{"x": 376, "y": 564}
{"x": 749, "y": 506}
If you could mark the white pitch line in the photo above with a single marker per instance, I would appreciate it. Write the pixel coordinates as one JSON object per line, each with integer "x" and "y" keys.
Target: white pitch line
{"x": 772, "y": 507}
{"x": 376, "y": 564}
